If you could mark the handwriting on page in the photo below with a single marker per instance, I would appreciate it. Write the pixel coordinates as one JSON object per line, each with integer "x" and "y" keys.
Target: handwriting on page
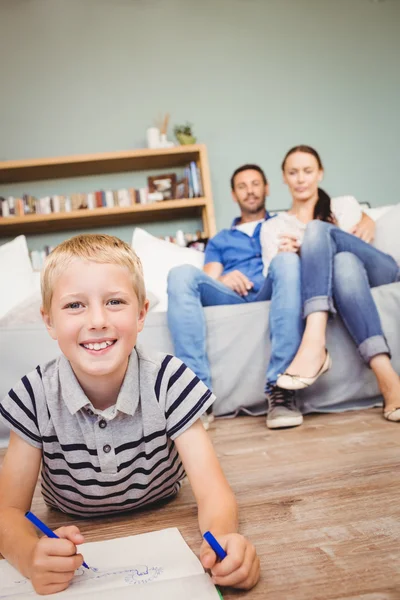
{"x": 138, "y": 574}
{"x": 135, "y": 575}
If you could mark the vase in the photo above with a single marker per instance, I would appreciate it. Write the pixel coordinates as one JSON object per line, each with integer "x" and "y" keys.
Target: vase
{"x": 153, "y": 137}
{"x": 184, "y": 139}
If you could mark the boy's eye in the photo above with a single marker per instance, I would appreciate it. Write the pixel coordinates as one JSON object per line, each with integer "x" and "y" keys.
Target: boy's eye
{"x": 74, "y": 305}
{"x": 115, "y": 302}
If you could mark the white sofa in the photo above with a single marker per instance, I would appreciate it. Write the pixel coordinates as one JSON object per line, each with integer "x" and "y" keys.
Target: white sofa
{"x": 238, "y": 348}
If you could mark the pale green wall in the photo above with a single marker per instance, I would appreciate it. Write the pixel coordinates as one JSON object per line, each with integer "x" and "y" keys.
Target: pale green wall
{"x": 255, "y": 77}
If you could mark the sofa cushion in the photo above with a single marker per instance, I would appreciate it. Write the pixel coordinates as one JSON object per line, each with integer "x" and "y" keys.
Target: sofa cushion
{"x": 239, "y": 350}
{"x": 387, "y": 233}
{"x": 17, "y": 279}
{"x": 158, "y": 257}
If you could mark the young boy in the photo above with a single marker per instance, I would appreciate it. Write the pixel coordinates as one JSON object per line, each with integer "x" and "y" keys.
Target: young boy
{"x": 113, "y": 427}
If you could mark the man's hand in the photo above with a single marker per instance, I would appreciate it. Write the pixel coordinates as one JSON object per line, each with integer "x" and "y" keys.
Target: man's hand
{"x": 236, "y": 281}
{"x": 365, "y": 229}
{"x": 240, "y": 569}
{"x": 54, "y": 561}
{"x": 288, "y": 242}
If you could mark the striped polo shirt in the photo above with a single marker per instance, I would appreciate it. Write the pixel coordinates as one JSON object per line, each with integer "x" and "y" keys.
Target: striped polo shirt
{"x": 101, "y": 462}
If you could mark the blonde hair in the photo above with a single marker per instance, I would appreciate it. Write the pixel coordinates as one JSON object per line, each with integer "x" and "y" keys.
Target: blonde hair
{"x": 99, "y": 248}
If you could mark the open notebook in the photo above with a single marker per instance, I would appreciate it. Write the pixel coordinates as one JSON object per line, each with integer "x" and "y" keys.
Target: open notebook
{"x": 148, "y": 566}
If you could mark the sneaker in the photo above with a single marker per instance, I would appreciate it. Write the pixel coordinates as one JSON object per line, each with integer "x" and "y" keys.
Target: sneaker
{"x": 282, "y": 409}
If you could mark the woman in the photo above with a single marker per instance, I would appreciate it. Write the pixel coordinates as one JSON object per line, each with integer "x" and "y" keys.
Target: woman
{"x": 338, "y": 269}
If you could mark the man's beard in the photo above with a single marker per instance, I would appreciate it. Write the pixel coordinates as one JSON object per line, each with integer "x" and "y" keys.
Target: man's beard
{"x": 253, "y": 209}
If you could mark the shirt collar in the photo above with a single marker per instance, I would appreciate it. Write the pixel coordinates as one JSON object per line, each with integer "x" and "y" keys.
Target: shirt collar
{"x": 236, "y": 221}
{"x": 76, "y": 399}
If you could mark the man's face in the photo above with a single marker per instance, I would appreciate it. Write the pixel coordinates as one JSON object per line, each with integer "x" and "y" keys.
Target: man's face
{"x": 250, "y": 191}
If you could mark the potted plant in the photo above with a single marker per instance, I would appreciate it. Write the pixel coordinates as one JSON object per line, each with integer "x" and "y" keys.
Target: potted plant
{"x": 184, "y": 135}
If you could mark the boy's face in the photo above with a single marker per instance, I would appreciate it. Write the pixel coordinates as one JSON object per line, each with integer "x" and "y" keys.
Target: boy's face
{"x": 95, "y": 318}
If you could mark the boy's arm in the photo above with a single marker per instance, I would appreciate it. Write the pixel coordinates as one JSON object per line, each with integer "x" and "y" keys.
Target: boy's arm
{"x": 217, "y": 511}
{"x": 217, "y": 508}
{"x": 18, "y": 478}
{"x": 49, "y": 563}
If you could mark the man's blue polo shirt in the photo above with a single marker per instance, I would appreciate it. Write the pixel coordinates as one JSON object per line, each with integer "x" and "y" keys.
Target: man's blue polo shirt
{"x": 234, "y": 249}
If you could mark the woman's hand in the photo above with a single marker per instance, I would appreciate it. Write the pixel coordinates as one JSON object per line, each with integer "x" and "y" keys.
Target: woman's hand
{"x": 365, "y": 229}
{"x": 54, "y": 561}
{"x": 240, "y": 569}
{"x": 288, "y": 242}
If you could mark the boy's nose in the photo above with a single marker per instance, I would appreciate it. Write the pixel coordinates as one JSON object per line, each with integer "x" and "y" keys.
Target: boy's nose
{"x": 97, "y": 318}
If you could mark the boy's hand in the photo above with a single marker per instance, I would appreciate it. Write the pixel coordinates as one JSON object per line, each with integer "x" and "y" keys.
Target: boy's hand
{"x": 54, "y": 561}
{"x": 240, "y": 569}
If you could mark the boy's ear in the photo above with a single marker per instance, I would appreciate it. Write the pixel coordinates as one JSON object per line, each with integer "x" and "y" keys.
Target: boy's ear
{"x": 142, "y": 315}
{"x": 47, "y": 321}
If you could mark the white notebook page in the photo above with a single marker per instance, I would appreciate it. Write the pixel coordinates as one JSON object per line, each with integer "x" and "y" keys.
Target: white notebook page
{"x": 152, "y": 565}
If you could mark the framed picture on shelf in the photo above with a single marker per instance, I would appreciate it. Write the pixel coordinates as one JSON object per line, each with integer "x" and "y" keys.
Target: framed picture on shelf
{"x": 164, "y": 184}
{"x": 182, "y": 189}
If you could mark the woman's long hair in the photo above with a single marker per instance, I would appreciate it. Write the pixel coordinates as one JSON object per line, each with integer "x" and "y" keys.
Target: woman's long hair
{"x": 322, "y": 209}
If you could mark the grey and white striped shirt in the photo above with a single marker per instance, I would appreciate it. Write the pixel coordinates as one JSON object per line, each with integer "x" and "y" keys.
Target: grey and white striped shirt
{"x": 97, "y": 463}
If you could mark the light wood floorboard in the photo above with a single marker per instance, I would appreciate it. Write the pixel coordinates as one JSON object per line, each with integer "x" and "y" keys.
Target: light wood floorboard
{"x": 320, "y": 502}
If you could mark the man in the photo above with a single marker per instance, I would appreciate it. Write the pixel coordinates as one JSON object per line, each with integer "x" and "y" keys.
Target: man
{"x": 232, "y": 274}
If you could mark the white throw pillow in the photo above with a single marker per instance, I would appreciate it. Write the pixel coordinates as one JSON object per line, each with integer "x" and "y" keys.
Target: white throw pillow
{"x": 16, "y": 274}
{"x": 27, "y": 311}
{"x": 158, "y": 257}
{"x": 376, "y": 212}
{"x": 387, "y": 233}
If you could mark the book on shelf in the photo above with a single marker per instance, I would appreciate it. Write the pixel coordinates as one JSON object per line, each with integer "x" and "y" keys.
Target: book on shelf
{"x": 189, "y": 187}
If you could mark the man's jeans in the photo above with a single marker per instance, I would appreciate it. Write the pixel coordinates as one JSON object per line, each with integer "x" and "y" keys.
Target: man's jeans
{"x": 190, "y": 289}
{"x": 339, "y": 268}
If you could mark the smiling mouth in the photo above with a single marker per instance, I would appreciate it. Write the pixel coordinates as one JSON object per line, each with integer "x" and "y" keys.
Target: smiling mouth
{"x": 98, "y": 346}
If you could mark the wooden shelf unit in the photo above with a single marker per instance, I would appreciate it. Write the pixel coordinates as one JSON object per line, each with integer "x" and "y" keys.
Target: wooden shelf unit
{"x": 17, "y": 171}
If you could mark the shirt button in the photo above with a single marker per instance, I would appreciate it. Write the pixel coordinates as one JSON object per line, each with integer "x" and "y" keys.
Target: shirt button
{"x": 89, "y": 411}
{"x": 102, "y": 424}
{"x": 107, "y": 448}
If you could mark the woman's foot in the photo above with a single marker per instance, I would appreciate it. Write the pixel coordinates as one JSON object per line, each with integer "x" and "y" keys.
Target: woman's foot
{"x": 392, "y": 415}
{"x": 308, "y": 365}
{"x": 389, "y": 385}
{"x": 391, "y": 399}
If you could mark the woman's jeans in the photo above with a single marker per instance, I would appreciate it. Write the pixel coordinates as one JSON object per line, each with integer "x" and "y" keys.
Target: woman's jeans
{"x": 339, "y": 269}
{"x": 190, "y": 289}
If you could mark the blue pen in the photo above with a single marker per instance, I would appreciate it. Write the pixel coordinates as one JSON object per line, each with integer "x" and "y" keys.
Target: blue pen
{"x": 44, "y": 529}
{"x": 218, "y": 549}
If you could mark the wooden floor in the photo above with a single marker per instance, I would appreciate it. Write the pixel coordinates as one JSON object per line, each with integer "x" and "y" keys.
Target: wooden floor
{"x": 320, "y": 502}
